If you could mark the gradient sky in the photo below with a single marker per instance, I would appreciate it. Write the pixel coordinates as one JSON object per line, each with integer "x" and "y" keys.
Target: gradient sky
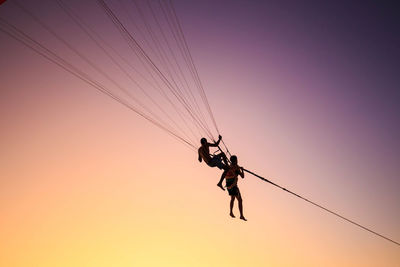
{"x": 304, "y": 93}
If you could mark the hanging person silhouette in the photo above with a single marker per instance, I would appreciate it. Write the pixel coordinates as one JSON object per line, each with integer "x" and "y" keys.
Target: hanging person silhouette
{"x": 218, "y": 160}
{"x": 231, "y": 178}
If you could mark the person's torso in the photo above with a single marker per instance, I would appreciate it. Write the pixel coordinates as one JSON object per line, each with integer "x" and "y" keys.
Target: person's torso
{"x": 204, "y": 152}
{"x": 231, "y": 175}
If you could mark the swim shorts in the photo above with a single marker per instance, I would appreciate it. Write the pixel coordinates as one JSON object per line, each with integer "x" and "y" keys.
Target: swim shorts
{"x": 216, "y": 161}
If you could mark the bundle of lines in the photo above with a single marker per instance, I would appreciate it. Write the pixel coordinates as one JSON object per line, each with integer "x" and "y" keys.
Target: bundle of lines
{"x": 133, "y": 51}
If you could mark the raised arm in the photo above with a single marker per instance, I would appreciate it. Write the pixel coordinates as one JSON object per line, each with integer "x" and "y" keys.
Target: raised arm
{"x": 216, "y": 143}
{"x": 241, "y": 172}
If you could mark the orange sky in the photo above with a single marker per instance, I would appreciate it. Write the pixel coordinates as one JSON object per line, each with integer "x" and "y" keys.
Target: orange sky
{"x": 85, "y": 183}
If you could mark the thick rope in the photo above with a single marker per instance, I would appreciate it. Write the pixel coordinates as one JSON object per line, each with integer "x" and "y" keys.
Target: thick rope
{"x": 321, "y": 207}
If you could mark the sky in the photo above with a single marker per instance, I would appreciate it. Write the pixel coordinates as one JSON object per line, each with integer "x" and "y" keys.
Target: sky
{"x": 305, "y": 94}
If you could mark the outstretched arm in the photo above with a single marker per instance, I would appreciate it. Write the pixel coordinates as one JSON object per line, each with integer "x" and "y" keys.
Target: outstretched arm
{"x": 216, "y": 143}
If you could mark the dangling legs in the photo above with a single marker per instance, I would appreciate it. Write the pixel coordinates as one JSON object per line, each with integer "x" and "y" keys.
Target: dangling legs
{"x": 239, "y": 198}
{"x": 231, "y": 206}
{"x": 222, "y": 179}
{"x": 221, "y": 166}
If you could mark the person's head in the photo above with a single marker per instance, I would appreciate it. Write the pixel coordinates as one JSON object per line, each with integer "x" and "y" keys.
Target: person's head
{"x": 203, "y": 141}
{"x": 234, "y": 159}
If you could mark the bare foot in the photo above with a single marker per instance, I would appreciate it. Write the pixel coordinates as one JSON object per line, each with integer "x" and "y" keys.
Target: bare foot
{"x": 232, "y": 215}
{"x": 220, "y": 186}
{"x": 243, "y": 218}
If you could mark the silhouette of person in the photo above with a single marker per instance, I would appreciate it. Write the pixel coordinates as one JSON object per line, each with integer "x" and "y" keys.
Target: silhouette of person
{"x": 218, "y": 160}
{"x": 231, "y": 179}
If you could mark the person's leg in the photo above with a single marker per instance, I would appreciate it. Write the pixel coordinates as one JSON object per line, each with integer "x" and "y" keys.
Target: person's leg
{"x": 222, "y": 157}
{"x": 222, "y": 179}
{"x": 239, "y": 198}
{"x": 231, "y": 206}
{"x": 218, "y": 162}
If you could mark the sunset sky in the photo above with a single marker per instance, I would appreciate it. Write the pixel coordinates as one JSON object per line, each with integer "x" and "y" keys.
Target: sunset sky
{"x": 305, "y": 94}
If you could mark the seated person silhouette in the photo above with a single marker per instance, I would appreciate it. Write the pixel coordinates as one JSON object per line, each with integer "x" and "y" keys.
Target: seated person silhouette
{"x": 231, "y": 184}
{"x": 218, "y": 160}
